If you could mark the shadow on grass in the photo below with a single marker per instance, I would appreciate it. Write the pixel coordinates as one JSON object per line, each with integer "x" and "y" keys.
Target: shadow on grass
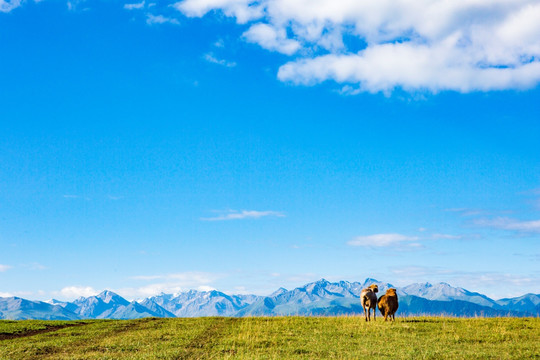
{"x": 419, "y": 320}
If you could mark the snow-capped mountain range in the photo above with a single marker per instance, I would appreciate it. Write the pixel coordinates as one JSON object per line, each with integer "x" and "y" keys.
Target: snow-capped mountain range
{"x": 317, "y": 298}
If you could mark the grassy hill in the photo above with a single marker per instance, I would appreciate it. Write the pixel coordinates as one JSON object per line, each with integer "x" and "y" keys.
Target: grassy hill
{"x": 272, "y": 338}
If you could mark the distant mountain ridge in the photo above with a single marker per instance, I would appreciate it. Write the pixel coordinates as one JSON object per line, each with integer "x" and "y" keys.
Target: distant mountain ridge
{"x": 317, "y": 298}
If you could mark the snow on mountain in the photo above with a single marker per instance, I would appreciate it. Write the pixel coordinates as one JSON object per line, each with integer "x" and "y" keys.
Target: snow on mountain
{"x": 203, "y": 303}
{"x": 100, "y": 306}
{"x": 317, "y": 298}
{"x": 444, "y": 292}
{"x": 278, "y": 292}
{"x": 108, "y": 297}
{"x": 527, "y": 302}
{"x": 65, "y": 304}
{"x": 15, "y": 308}
{"x": 109, "y": 305}
{"x": 156, "y": 309}
{"x": 416, "y": 306}
{"x": 381, "y": 285}
{"x": 133, "y": 310}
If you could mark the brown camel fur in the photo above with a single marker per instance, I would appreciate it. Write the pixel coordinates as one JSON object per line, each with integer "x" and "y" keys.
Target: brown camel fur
{"x": 369, "y": 301}
{"x": 388, "y": 304}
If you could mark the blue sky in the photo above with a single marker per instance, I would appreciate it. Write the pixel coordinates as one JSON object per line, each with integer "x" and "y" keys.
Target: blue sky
{"x": 244, "y": 146}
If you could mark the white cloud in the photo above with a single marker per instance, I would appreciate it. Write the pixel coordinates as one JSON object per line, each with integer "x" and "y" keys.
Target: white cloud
{"x": 409, "y": 66}
{"x": 160, "y": 19}
{"x": 72, "y": 292}
{"x": 271, "y": 38}
{"x": 188, "y": 278}
{"x": 434, "y": 45}
{"x": 418, "y": 272}
{"x": 7, "y": 6}
{"x": 4, "y": 268}
{"x": 5, "y": 294}
{"x": 498, "y": 285}
{"x": 494, "y": 284}
{"x": 468, "y": 212}
{"x": 35, "y": 266}
{"x": 244, "y": 214}
{"x": 445, "y": 236}
{"x": 382, "y": 240}
{"x": 510, "y": 224}
{"x": 220, "y": 43}
{"x": 242, "y": 10}
{"x": 171, "y": 283}
{"x": 205, "y": 288}
{"x": 212, "y": 59}
{"x": 134, "y": 6}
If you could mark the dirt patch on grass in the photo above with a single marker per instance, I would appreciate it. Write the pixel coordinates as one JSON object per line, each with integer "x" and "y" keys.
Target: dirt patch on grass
{"x": 199, "y": 346}
{"x": 47, "y": 329}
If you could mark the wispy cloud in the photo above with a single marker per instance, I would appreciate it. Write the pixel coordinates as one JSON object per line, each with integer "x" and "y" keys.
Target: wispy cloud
{"x": 220, "y": 43}
{"x": 214, "y": 60}
{"x": 446, "y": 236}
{"x": 134, "y": 6}
{"x": 70, "y": 196}
{"x": 467, "y": 211}
{"x": 244, "y": 214}
{"x": 171, "y": 283}
{"x": 6, "y": 294}
{"x": 418, "y": 271}
{"x": 152, "y": 285}
{"x": 160, "y": 19}
{"x": 188, "y": 277}
{"x": 383, "y": 240}
{"x": 72, "y": 292}
{"x": 533, "y": 197}
{"x": 34, "y": 266}
{"x": 7, "y": 6}
{"x": 158, "y": 288}
{"x": 532, "y": 226}
{"x": 4, "y": 267}
{"x": 498, "y": 284}
{"x": 114, "y": 198}
{"x": 76, "y": 197}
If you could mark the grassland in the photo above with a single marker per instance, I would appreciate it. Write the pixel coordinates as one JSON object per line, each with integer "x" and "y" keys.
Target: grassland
{"x": 272, "y": 338}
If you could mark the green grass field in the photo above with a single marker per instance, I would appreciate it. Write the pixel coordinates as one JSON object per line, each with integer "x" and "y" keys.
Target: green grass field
{"x": 272, "y": 338}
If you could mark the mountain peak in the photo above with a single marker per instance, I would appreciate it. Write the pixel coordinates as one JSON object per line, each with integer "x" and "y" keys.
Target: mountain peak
{"x": 106, "y": 293}
{"x": 316, "y": 298}
{"x": 278, "y": 292}
{"x": 108, "y": 296}
{"x": 53, "y": 301}
{"x": 371, "y": 280}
